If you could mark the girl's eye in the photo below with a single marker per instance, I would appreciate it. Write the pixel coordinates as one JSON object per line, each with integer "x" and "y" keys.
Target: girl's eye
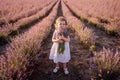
{"x": 62, "y": 24}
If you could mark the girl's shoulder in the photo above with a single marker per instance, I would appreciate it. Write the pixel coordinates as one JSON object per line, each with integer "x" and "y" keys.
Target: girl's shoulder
{"x": 55, "y": 32}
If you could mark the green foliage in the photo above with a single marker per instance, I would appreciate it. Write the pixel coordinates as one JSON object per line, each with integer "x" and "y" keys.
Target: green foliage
{"x": 61, "y": 48}
{"x": 91, "y": 48}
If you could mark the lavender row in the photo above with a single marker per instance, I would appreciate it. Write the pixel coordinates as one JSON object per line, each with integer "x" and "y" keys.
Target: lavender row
{"x": 29, "y": 13}
{"x": 11, "y": 11}
{"x": 110, "y": 27}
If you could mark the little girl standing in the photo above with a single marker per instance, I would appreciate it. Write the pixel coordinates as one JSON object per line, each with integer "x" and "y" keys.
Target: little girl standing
{"x": 60, "y": 51}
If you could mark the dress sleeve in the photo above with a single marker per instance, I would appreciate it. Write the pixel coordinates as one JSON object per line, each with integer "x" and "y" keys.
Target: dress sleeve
{"x": 54, "y": 35}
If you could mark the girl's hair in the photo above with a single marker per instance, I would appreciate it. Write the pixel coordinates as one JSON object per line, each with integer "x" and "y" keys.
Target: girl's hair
{"x": 61, "y": 18}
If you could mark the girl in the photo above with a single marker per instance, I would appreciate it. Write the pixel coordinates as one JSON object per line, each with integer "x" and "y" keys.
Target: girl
{"x": 60, "y": 51}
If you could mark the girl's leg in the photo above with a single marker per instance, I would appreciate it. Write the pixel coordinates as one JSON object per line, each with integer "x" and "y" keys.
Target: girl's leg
{"x": 64, "y": 65}
{"x": 65, "y": 68}
{"x": 56, "y": 68}
{"x": 57, "y": 64}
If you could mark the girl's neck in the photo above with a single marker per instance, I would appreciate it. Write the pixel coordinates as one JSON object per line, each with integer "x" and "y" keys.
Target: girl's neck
{"x": 60, "y": 30}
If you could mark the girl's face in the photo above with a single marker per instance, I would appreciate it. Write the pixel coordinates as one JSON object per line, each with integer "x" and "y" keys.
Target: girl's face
{"x": 61, "y": 25}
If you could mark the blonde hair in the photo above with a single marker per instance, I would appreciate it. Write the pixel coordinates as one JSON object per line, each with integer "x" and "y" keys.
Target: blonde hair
{"x": 59, "y": 19}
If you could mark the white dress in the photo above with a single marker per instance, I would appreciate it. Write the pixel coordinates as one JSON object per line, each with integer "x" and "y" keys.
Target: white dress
{"x": 58, "y": 57}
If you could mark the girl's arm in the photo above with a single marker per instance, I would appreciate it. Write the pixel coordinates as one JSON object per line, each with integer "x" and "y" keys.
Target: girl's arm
{"x": 55, "y": 40}
{"x": 54, "y": 37}
{"x": 66, "y": 39}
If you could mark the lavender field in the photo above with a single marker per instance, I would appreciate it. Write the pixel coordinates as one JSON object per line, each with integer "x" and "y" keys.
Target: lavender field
{"x": 26, "y": 29}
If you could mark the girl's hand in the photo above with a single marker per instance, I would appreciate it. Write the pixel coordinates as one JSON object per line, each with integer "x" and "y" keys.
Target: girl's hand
{"x": 66, "y": 39}
{"x": 55, "y": 40}
{"x": 60, "y": 41}
{"x": 60, "y": 37}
